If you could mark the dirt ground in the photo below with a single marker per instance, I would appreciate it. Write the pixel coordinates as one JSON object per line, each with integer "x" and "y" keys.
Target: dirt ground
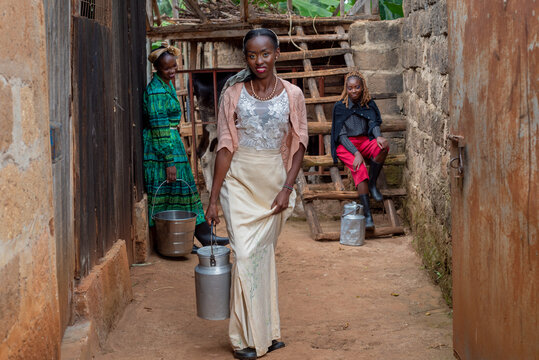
{"x": 336, "y": 302}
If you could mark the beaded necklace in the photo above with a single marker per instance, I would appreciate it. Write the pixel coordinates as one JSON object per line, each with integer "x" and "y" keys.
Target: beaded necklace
{"x": 266, "y": 98}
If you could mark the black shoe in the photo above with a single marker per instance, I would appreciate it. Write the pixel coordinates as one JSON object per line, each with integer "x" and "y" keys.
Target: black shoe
{"x": 195, "y": 249}
{"x": 374, "y": 171}
{"x": 245, "y": 354}
{"x": 276, "y": 345}
{"x": 203, "y": 234}
{"x": 364, "y": 200}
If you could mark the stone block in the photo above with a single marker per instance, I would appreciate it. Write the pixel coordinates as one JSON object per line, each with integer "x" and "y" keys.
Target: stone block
{"x": 438, "y": 18}
{"x": 408, "y": 77}
{"x": 411, "y": 54}
{"x": 422, "y": 86}
{"x": 423, "y": 24}
{"x": 376, "y": 59}
{"x": 6, "y": 114}
{"x": 438, "y": 91}
{"x": 406, "y": 7}
{"x": 388, "y": 106}
{"x": 358, "y": 33}
{"x": 385, "y": 32}
{"x": 407, "y": 28}
{"x": 437, "y": 55}
{"x": 379, "y": 82}
{"x": 10, "y": 296}
{"x": 141, "y": 239}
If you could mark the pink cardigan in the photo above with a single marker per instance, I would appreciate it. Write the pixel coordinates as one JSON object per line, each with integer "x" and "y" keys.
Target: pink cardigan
{"x": 228, "y": 134}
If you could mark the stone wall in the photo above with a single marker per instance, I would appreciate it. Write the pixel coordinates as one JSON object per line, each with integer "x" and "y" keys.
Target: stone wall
{"x": 29, "y": 317}
{"x": 426, "y": 106}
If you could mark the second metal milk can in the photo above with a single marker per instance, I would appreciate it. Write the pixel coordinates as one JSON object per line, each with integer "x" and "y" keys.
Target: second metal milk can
{"x": 352, "y": 225}
{"x": 212, "y": 280}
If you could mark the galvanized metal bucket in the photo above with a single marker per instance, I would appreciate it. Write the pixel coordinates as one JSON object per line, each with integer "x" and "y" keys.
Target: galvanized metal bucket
{"x": 174, "y": 230}
{"x": 212, "y": 282}
{"x": 352, "y": 225}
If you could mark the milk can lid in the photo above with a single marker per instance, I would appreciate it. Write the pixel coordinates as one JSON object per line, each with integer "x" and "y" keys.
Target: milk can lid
{"x": 218, "y": 250}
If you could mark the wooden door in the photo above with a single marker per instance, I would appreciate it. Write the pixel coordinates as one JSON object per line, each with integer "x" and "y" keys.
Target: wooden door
{"x": 58, "y": 25}
{"x": 493, "y": 55}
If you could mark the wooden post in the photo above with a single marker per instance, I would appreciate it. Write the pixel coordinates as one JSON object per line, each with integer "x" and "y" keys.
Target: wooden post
{"x": 375, "y": 7}
{"x": 175, "y": 13}
{"x": 156, "y": 11}
{"x": 244, "y": 10}
{"x": 341, "y": 7}
{"x": 289, "y": 6}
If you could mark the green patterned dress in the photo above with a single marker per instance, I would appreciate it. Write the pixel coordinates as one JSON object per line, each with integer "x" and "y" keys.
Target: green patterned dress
{"x": 163, "y": 148}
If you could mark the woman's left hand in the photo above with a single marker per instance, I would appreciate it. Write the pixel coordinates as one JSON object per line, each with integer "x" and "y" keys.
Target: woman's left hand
{"x": 281, "y": 201}
{"x": 382, "y": 142}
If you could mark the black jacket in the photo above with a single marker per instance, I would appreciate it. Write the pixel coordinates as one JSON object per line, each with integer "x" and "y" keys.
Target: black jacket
{"x": 341, "y": 113}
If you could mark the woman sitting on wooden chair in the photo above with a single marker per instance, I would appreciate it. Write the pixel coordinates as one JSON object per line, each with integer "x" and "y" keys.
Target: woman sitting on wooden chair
{"x": 355, "y": 134}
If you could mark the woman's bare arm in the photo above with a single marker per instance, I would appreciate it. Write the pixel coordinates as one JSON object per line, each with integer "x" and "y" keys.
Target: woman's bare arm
{"x": 281, "y": 200}
{"x": 222, "y": 164}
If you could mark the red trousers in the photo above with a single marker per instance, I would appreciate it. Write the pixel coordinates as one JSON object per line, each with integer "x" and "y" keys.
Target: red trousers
{"x": 369, "y": 149}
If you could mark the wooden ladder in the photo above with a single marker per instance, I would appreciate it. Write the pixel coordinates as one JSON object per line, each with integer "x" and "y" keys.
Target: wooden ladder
{"x": 323, "y": 127}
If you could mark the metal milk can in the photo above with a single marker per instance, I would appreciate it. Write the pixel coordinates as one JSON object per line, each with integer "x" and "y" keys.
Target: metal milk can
{"x": 352, "y": 225}
{"x": 212, "y": 282}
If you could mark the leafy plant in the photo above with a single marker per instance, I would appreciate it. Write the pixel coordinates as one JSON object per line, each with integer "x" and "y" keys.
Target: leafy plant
{"x": 390, "y": 9}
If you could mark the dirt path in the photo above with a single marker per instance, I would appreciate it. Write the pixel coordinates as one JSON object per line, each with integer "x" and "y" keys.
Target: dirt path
{"x": 336, "y": 302}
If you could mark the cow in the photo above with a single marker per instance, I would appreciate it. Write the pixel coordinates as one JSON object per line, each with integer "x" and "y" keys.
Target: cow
{"x": 204, "y": 93}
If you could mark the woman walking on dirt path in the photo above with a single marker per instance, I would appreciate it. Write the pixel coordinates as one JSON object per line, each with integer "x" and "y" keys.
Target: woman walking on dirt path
{"x": 262, "y": 130}
{"x": 356, "y": 135}
{"x": 164, "y": 154}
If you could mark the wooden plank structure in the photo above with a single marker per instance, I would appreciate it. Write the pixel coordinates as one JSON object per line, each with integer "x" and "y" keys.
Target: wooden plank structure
{"x": 309, "y": 44}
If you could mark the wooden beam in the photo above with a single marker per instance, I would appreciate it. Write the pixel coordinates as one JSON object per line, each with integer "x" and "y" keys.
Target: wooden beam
{"x": 193, "y": 5}
{"x": 313, "y": 38}
{"x": 307, "y": 21}
{"x": 316, "y": 128}
{"x": 311, "y": 54}
{"x": 346, "y": 195}
{"x": 310, "y": 212}
{"x": 203, "y": 36}
{"x": 335, "y": 98}
{"x": 312, "y": 74}
{"x": 327, "y": 160}
{"x": 377, "y": 232}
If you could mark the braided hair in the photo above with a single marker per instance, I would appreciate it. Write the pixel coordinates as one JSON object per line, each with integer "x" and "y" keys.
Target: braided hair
{"x": 365, "y": 96}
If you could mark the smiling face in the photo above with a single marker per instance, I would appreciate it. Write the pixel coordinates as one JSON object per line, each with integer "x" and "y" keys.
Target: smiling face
{"x": 354, "y": 88}
{"x": 166, "y": 67}
{"x": 260, "y": 54}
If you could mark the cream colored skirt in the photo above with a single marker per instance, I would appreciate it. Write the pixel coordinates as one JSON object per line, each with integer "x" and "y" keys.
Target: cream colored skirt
{"x": 253, "y": 181}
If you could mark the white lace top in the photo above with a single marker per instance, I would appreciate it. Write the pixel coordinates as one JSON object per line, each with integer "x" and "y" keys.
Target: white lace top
{"x": 262, "y": 125}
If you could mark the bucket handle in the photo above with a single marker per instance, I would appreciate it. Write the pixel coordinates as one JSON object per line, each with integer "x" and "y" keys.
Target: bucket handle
{"x": 356, "y": 208}
{"x": 153, "y": 201}
{"x": 212, "y": 238}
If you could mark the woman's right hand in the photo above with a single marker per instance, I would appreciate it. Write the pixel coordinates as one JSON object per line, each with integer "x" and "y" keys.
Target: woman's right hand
{"x": 212, "y": 214}
{"x": 171, "y": 173}
{"x": 358, "y": 160}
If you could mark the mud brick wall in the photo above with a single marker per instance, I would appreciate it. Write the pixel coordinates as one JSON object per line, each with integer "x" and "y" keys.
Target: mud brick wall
{"x": 425, "y": 101}
{"x": 29, "y": 318}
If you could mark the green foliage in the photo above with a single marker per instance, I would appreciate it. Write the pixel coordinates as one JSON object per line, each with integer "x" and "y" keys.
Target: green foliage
{"x": 390, "y": 9}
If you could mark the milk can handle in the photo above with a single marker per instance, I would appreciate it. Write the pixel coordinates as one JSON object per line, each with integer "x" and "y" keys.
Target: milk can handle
{"x": 212, "y": 238}
{"x": 155, "y": 195}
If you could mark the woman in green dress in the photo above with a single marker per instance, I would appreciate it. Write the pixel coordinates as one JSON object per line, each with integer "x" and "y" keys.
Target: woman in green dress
{"x": 164, "y": 155}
